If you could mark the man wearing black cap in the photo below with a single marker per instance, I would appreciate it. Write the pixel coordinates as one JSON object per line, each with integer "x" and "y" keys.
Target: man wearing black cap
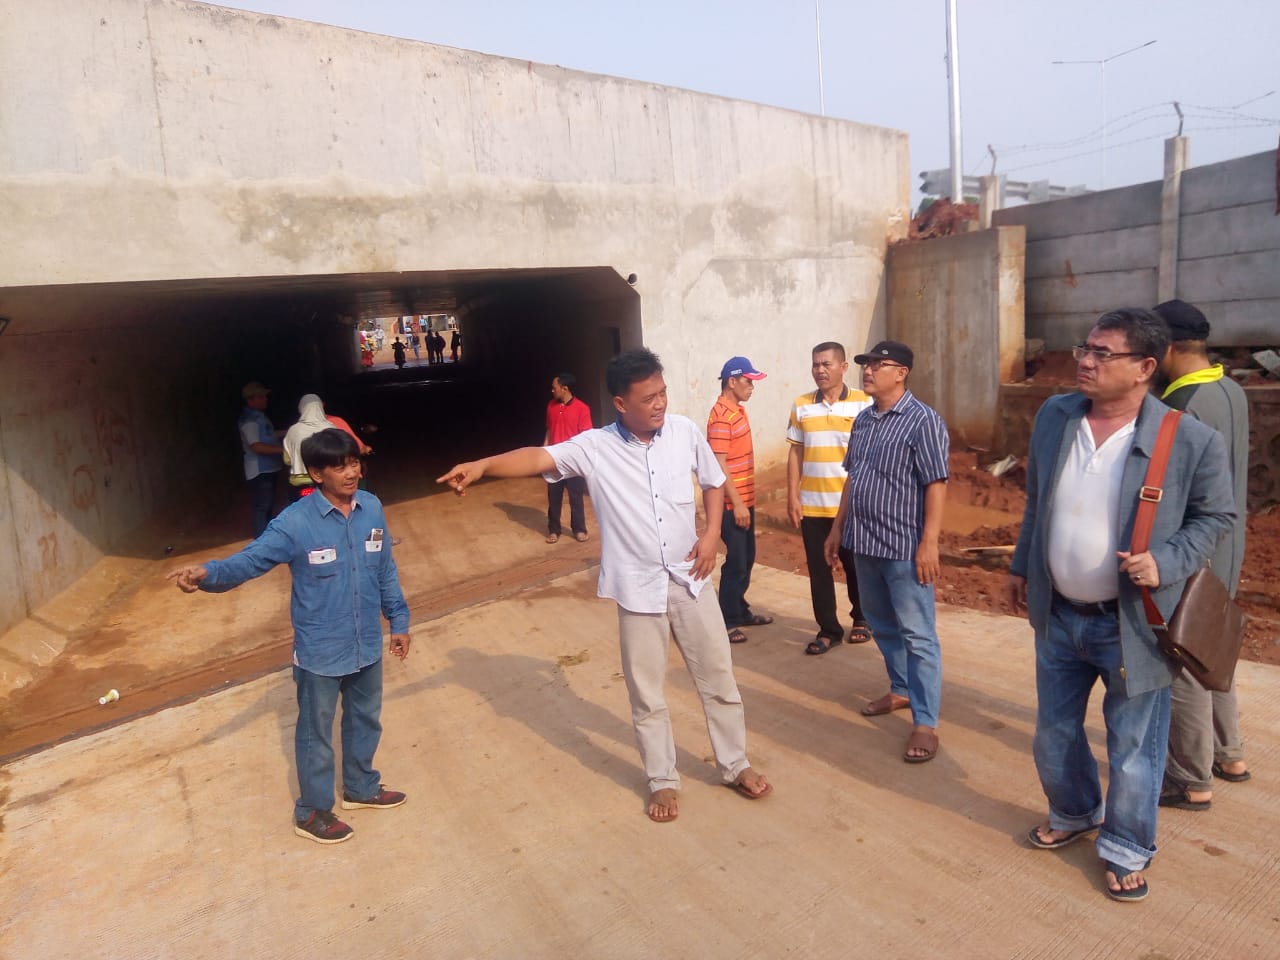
{"x": 1204, "y": 732}
{"x": 890, "y": 517}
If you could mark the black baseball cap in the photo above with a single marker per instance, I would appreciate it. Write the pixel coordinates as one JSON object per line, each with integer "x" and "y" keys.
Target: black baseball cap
{"x": 887, "y": 350}
{"x": 1185, "y": 321}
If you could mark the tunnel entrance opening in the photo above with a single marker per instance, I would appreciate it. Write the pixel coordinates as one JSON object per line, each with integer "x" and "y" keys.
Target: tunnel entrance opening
{"x": 118, "y": 420}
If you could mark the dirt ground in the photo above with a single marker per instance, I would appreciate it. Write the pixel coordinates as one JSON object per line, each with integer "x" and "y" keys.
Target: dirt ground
{"x": 984, "y": 511}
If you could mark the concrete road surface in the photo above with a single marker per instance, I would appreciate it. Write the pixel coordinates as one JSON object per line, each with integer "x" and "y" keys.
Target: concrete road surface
{"x": 525, "y": 834}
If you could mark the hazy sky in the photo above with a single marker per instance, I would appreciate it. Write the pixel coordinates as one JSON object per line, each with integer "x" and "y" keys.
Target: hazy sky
{"x": 884, "y": 63}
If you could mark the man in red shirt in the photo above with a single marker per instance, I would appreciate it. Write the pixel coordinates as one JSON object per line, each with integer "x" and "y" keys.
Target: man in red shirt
{"x": 567, "y": 416}
{"x": 729, "y": 435}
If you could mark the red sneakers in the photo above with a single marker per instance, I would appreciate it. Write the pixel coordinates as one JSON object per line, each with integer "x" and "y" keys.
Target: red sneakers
{"x": 383, "y": 798}
{"x": 322, "y": 827}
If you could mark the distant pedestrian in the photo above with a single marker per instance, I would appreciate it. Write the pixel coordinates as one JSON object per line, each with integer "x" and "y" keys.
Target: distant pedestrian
{"x": 455, "y": 345}
{"x": 263, "y": 454}
{"x": 413, "y": 342}
{"x": 567, "y": 416}
{"x": 344, "y": 583}
{"x": 397, "y": 350}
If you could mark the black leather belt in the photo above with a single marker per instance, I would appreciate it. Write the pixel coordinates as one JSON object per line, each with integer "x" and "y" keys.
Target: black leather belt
{"x": 1098, "y": 608}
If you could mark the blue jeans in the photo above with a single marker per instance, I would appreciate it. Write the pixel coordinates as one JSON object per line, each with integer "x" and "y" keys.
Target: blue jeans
{"x": 735, "y": 575}
{"x": 313, "y": 737}
{"x": 262, "y": 500}
{"x": 1071, "y": 654}
{"x": 900, "y": 612}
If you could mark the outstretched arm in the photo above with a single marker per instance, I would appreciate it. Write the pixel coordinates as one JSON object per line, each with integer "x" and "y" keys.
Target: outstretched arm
{"x": 524, "y": 462}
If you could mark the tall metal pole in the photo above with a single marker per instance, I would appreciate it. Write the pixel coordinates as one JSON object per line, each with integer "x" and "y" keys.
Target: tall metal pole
{"x": 817, "y": 29}
{"x": 953, "y": 80}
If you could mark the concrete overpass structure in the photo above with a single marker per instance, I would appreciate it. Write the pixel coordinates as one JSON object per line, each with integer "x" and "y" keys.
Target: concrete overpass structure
{"x": 191, "y": 197}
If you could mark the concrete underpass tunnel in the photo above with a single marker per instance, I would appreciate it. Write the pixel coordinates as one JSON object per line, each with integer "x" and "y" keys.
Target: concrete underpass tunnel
{"x": 118, "y": 401}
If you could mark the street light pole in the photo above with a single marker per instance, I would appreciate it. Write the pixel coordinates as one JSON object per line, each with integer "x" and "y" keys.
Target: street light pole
{"x": 817, "y": 29}
{"x": 1102, "y": 77}
{"x": 953, "y": 79}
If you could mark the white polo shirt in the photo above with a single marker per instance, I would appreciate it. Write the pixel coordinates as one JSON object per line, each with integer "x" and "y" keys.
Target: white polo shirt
{"x": 642, "y": 495}
{"x": 1084, "y": 517}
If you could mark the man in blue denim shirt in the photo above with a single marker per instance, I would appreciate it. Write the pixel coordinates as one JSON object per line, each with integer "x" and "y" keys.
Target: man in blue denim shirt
{"x": 344, "y": 581}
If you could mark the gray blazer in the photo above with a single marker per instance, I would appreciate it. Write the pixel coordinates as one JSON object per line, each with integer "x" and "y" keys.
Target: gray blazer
{"x": 1196, "y": 510}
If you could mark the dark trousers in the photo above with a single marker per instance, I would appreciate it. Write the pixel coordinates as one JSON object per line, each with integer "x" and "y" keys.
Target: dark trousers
{"x": 576, "y": 486}
{"x": 262, "y": 500}
{"x": 822, "y": 584}
{"x": 735, "y": 575}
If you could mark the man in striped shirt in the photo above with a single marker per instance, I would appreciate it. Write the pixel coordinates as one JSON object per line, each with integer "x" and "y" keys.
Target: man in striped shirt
{"x": 818, "y": 435}
{"x": 729, "y": 436}
{"x": 890, "y": 518}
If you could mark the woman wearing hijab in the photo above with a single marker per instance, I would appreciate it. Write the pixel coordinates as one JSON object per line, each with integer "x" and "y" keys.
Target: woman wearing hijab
{"x": 311, "y": 419}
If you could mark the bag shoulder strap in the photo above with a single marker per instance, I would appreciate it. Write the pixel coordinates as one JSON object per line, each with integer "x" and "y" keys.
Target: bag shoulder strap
{"x": 1149, "y": 496}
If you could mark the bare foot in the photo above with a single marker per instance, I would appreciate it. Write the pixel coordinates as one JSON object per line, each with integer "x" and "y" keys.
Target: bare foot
{"x": 1237, "y": 768}
{"x": 664, "y": 805}
{"x": 553, "y": 537}
{"x": 581, "y": 537}
{"x": 752, "y": 785}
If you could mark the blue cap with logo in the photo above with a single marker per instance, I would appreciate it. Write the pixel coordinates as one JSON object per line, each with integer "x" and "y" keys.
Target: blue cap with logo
{"x": 740, "y": 367}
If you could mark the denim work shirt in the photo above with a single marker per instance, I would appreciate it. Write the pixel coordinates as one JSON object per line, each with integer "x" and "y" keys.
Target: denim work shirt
{"x": 642, "y": 494}
{"x": 344, "y": 580}
{"x": 255, "y": 427}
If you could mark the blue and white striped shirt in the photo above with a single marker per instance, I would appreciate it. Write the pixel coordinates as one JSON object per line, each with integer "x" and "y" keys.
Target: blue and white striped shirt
{"x": 892, "y": 457}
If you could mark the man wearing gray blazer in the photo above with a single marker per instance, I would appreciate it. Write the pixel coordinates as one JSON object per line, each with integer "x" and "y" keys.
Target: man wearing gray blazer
{"x": 1081, "y": 587}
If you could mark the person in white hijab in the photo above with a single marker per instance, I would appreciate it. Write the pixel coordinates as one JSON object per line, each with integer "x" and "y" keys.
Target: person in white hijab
{"x": 311, "y": 419}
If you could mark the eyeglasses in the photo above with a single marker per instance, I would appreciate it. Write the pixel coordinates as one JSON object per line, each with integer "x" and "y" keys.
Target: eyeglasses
{"x": 875, "y": 365}
{"x": 1100, "y": 355}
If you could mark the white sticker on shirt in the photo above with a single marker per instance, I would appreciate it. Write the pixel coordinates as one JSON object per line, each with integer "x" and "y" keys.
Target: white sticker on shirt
{"x": 373, "y": 546}
{"x": 323, "y": 555}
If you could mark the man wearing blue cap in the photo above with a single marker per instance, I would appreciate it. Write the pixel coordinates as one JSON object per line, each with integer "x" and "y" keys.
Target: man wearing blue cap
{"x": 729, "y": 435}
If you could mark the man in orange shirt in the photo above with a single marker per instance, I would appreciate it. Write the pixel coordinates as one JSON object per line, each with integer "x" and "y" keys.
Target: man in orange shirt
{"x": 729, "y": 434}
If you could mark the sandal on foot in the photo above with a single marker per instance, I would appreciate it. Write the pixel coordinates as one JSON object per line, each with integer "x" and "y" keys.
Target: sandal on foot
{"x": 757, "y": 620}
{"x": 747, "y": 792}
{"x": 1129, "y": 896}
{"x": 858, "y": 633}
{"x": 1033, "y": 837}
{"x": 886, "y": 704}
{"x": 737, "y": 636}
{"x": 1222, "y": 773}
{"x": 820, "y": 645}
{"x": 1179, "y": 798}
{"x": 921, "y": 740}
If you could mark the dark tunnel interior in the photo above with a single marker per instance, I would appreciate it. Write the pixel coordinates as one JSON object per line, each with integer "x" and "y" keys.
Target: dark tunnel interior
{"x": 173, "y": 356}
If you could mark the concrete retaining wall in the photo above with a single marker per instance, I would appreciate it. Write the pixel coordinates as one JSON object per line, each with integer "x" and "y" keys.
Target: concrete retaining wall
{"x": 1221, "y": 245}
{"x": 163, "y": 140}
{"x": 958, "y": 302}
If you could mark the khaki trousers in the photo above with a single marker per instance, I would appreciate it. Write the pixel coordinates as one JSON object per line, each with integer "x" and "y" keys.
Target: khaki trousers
{"x": 1203, "y": 730}
{"x": 699, "y": 631}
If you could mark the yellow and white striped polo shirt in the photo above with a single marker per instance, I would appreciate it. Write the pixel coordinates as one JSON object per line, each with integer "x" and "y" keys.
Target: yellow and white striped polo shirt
{"x": 823, "y": 430}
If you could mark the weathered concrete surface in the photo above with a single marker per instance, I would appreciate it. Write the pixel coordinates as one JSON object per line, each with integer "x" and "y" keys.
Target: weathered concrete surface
{"x": 959, "y": 302}
{"x": 525, "y": 834}
{"x": 1089, "y": 254}
{"x": 181, "y": 143}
